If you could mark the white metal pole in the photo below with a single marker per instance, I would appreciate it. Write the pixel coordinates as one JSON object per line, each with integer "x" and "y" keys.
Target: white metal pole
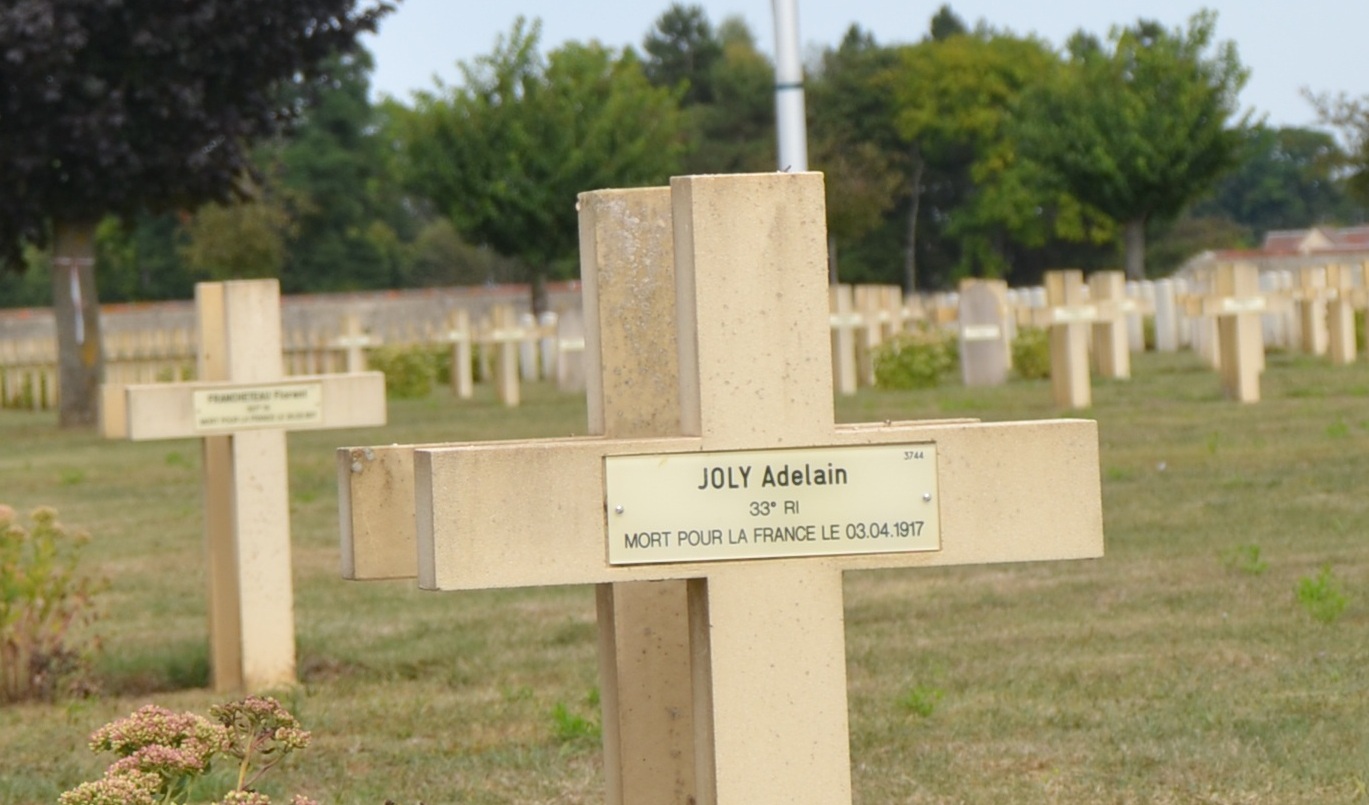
{"x": 789, "y": 113}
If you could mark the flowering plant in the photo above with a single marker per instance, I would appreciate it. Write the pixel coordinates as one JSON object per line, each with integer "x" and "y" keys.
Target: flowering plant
{"x": 160, "y": 753}
{"x": 43, "y": 604}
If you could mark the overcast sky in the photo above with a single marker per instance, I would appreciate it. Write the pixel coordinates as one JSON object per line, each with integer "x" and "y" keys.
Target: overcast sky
{"x": 1319, "y": 44}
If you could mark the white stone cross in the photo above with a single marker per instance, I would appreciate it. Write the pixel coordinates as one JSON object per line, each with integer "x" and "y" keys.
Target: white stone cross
{"x": 241, "y": 406}
{"x": 764, "y": 501}
{"x": 1237, "y": 304}
{"x": 1070, "y": 316}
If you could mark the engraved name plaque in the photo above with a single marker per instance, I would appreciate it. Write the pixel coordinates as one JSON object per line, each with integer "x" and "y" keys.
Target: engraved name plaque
{"x": 757, "y": 504}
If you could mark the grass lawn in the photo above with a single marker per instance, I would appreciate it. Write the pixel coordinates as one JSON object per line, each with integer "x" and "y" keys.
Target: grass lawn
{"x": 1180, "y": 668}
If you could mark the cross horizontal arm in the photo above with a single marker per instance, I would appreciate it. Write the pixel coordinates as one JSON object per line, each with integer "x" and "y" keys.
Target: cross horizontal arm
{"x": 314, "y": 402}
{"x": 533, "y": 513}
{"x": 376, "y": 508}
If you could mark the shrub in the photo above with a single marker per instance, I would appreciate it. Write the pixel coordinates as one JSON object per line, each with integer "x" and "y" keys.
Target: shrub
{"x": 1031, "y": 353}
{"x": 1246, "y": 559}
{"x": 409, "y": 371}
{"x": 916, "y": 359}
{"x": 1322, "y": 596}
{"x": 921, "y": 700}
{"x": 43, "y": 602}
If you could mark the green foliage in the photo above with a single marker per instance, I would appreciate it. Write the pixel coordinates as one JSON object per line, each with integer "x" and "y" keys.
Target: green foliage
{"x": 1245, "y": 559}
{"x": 1169, "y": 244}
{"x": 44, "y": 602}
{"x": 853, "y": 140}
{"x": 921, "y": 700}
{"x": 1321, "y": 596}
{"x": 955, "y": 100}
{"x": 505, "y": 154}
{"x": 1139, "y": 130}
{"x": 1287, "y": 178}
{"x": 336, "y": 177}
{"x": 1350, "y": 117}
{"x": 917, "y": 359}
{"x": 410, "y": 371}
{"x": 244, "y": 240}
{"x": 1031, "y": 353}
{"x": 121, "y": 107}
{"x": 681, "y": 51}
{"x": 570, "y": 727}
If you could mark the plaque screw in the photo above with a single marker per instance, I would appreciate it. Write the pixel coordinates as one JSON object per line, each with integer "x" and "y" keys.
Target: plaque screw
{"x": 617, "y": 509}
{"x": 927, "y": 497}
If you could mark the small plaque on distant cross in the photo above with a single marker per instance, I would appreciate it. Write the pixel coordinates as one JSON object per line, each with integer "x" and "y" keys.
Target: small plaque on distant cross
{"x": 276, "y": 405}
{"x": 758, "y": 504}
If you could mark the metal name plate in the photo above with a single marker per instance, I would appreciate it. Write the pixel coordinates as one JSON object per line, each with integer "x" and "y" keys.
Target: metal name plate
{"x": 1254, "y": 304}
{"x": 1074, "y": 315}
{"x": 756, "y": 504}
{"x": 244, "y": 408}
{"x": 981, "y": 332}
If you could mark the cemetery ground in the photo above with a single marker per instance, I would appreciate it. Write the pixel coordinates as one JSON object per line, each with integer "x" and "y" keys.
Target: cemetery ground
{"x": 1182, "y": 667}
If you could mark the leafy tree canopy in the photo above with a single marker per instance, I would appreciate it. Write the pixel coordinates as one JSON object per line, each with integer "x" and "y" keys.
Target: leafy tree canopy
{"x": 115, "y": 106}
{"x": 1139, "y": 128}
{"x": 505, "y": 154}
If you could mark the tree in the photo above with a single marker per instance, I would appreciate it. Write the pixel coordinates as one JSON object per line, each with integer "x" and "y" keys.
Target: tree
{"x": 681, "y": 51}
{"x": 1141, "y": 130}
{"x": 1286, "y": 178}
{"x": 334, "y": 174}
{"x": 726, "y": 90}
{"x": 132, "y": 106}
{"x": 238, "y": 241}
{"x": 505, "y": 154}
{"x": 854, "y": 143}
{"x": 1350, "y": 117}
{"x": 954, "y": 105}
{"x": 946, "y": 24}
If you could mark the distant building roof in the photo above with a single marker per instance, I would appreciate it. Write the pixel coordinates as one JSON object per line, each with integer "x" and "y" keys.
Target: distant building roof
{"x": 1315, "y": 240}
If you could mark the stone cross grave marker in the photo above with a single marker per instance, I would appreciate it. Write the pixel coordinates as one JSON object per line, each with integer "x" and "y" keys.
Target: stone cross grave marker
{"x": 764, "y": 502}
{"x": 463, "y": 370}
{"x": 354, "y": 341}
{"x": 241, "y": 406}
{"x": 985, "y": 353}
{"x": 1111, "y": 340}
{"x": 846, "y": 324}
{"x": 504, "y": 337}
{"x": 1070, "y": 318}
{"x": 1340, "y": 314}
{"x": 1310, "y": 301}
{"x": 1237, "y": 304}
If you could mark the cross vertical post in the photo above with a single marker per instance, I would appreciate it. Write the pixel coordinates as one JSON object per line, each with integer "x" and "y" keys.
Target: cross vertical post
{"x": 628, "y": 288}
{"x": 1070, "y": 320}
{"x": 1240, "y": 336}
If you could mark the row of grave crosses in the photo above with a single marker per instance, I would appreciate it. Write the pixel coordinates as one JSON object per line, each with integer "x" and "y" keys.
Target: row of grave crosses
{"x": 1229, "y": 313}
{"x": 722, "y": 660}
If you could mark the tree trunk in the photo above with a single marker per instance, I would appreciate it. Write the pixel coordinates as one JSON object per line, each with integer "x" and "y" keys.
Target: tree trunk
{"x": 537, "y": 291}
{"x": 76, "y": 310}
{"x": 1135, "y": 239}
{"x": 910, "y": 253}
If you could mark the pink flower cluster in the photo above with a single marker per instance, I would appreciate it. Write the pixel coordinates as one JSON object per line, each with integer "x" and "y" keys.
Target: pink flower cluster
{"x": 260, "y": 725}
{"x": 129, "y": 787}
{"x": 195, "y": 739}
{"x": 160, "y": 752}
